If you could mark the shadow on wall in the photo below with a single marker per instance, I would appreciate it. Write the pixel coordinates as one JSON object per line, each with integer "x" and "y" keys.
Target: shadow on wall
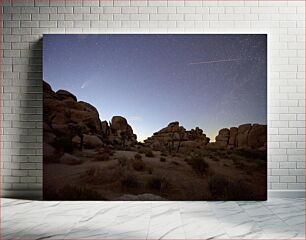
{"x": 29, "y": 147}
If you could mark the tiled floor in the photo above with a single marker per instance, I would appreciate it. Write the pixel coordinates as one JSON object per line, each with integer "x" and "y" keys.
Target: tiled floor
{"x": 273, "y": 219}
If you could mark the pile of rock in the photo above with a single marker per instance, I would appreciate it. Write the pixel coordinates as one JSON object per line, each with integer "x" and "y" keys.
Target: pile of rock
{"x": 175, "y": 136}
{"x": 71, "y": 123}
{"x": 119, "y": 131}
{"x": 62, "y": 112}
{"x": 245, "y": 136}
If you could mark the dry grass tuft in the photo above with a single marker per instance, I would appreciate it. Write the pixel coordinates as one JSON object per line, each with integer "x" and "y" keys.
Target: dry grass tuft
{"x": 138, "y": 165}
{"x": 224, "y": 188}
{"x": 149, "y": 153}
{"x": 138, "y": 156}
{"x": 198, "y": 164}
{"x": 158, "y": 183}
{"x": 129, "y": 181}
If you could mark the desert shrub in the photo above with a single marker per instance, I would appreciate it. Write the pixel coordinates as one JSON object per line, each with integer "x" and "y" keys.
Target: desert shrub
{"x": 214, "y": 158}
{"x": 239, "y": 164}
{"x": 127, "y": 148}
{"x": 221, "y": 153}
{"x": 91, "y": 171}
{"x": 162, "y": 159}
{"x": 158, "y": 183}
{"x": 138, "y": 156}
{"x": 218, "y": 185}
{"x": 109, "y": 151}
{"x": 164, "y": 154}
{"x": 223, "y": 188}
{"x": 140, "y": 144}
{"x": 155, "y": 183}
{"x": 138, "y": 165}
{"x": 143, "y": 149}
{"x": 72, "y": 192}
{"x": 102, "y": 156}
{"x": 236, "y": 157}
{"x": 149, "y": 153}
{"x": 150, "y": 170}
{"x": 188, "y": 159}
{"x": 199, "y": 165}
{"x": 96, "y": 175}
{"x": 175, "y": 163}
{"x": 129, "y": 181}
{"x": 122, "y": 161}
{"x": 140, "y": 151}
{"x": 64, "y": 143}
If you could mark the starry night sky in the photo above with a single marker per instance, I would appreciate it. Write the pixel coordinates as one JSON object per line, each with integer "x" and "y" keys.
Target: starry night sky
{"x": 210, "y": 81}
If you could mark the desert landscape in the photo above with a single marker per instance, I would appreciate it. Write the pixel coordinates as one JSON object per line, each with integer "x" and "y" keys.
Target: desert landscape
{"x": 87, "y": 158}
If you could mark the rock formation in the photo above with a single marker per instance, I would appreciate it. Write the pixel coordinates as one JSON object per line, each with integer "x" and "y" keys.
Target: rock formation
{"x": 69, "y": 123}
{"x": 63, "y": 113}
{"x": 175, "y": 136}
{"x": 119, "y": 131}
{"x": 223, "y": 137}
{"x": 245, "y": 136}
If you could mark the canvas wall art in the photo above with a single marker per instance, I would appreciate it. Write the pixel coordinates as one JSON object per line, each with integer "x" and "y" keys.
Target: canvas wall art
{"x": 155, "y": 117}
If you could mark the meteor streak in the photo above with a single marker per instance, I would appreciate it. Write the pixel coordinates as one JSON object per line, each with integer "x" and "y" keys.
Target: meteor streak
{"x": 216, "y": 61}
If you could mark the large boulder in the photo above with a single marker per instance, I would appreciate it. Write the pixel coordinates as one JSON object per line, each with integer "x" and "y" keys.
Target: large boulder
{"x": 257, "y": 136}
{"x": 48, "y": 92}
{"x": 92, "y": 141}
{"x": 242, "y": 137}
{"x": 61, "y": 129}
{"x": 223, "y": 137}
{"x": 49, "y": 153}
{"x": 224, "y": 132}
{"x": 90, "y": 119}
{"x": 49, "y": 137}
{"x": 120, "y": 131}
{"x": 119, "y": 123}
{"x": 70, "y": 159}
{"x": 232, "y": 141}
{"x": 244, "y": 128}
{"x": 89, "y": 141}
{"x": 105, "y": 128}
{"x": 63, "y": 94}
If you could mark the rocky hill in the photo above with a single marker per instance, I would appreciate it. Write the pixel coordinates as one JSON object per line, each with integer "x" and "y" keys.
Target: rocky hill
{"x": 70, "y": 123}
{"x": 174, "y": 136}
{"x": 245, "y": 136}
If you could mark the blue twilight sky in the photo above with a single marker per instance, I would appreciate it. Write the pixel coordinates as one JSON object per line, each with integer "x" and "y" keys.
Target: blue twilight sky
{"x": 211, "y": 81}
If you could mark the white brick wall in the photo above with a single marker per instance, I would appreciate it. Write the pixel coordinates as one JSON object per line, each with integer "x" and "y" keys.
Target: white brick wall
{"x": 24, "y": 22}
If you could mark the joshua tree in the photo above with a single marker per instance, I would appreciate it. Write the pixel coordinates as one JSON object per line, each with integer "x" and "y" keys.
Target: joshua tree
{"x": 123, "y": 136}
{"x": 181, "y": 134}
{"x": 78, "y": 130}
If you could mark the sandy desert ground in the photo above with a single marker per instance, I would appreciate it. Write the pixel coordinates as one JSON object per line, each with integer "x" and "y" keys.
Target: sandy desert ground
{"x": 217, "y": 175}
